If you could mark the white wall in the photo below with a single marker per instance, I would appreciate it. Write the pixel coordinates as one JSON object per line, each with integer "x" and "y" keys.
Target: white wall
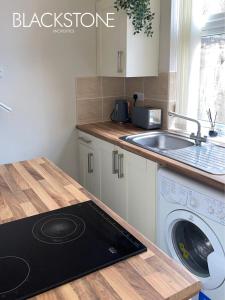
{"x": 39, "y": 83}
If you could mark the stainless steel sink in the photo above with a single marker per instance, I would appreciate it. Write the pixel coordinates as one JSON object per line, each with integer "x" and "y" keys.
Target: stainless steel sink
{"x": 159, "y": 141}
{"x": 207, "y": 157}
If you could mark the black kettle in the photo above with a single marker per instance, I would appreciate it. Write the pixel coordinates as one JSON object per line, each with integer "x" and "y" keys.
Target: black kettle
{"x": 120, "y": 113}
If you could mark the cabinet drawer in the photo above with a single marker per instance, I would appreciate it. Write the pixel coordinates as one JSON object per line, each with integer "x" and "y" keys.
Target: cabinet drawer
{"x": 87, "y": 139}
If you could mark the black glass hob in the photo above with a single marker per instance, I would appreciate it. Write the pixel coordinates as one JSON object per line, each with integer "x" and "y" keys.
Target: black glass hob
{"x": 44, "y": 251}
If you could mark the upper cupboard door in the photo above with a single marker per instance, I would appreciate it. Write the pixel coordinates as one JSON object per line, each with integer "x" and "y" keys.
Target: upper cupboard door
{"x": 111, "y": 42}
{"x": 143, "y": 51}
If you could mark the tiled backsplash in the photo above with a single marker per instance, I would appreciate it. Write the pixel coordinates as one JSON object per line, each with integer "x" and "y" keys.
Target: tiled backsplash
{"x": 96, "y": 95}
{"x": 158, "y": 92}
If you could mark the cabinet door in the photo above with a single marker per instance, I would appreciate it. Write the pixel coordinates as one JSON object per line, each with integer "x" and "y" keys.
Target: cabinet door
{"x": 82, "y": 163}
{"x": 113, "y": 186}
{"x": 143, "y": 51}
{"x": 141, "y": 194}
{"x": 120, "y": 52}
{"x": 93, "y": 172}
{"x": 111, "y": 42}
{"x": 90, "y": 169}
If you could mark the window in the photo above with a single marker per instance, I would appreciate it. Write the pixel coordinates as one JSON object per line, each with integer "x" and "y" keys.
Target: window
{"x": 212, "y": 69}
{"x": 198, "y": 59}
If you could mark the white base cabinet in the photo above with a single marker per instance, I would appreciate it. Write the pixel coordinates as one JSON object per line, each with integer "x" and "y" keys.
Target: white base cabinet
{"x": 125, "y": 182}
{"x": 89, "y": 164}
{"x": 113, "y": 187}
{"x": 113, "y": 178}
{"x": 141, "y": 194}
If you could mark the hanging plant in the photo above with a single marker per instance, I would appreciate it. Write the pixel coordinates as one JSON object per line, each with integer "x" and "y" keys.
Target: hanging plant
{"x": 140, "y": 13}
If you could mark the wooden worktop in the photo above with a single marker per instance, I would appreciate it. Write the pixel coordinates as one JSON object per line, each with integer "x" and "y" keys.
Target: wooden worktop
{"x": 37, "y": 186}
{"x": 111, "y": 132}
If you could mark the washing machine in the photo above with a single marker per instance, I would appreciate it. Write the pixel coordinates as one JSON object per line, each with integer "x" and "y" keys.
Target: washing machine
{"x": 191, "y": 229}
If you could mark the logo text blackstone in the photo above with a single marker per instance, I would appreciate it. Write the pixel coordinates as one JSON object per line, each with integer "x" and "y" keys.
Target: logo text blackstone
{"x": 66, "y": 20}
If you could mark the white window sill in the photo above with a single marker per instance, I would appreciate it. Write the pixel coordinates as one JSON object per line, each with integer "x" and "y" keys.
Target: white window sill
{"x": 220, "y": 139}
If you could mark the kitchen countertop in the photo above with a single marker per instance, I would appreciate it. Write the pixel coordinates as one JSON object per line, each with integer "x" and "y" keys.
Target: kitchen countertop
{"x": 111, "y": 132}
{"x": 36, "y": 186}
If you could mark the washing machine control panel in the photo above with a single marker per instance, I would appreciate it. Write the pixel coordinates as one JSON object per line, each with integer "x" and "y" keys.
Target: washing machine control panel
{"x": 173, "y": 193}
{"x": 179, "y": 194}
{"x": 207, "y": 206}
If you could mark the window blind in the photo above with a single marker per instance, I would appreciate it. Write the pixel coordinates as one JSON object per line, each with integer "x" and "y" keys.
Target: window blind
{"x": 214, "y": 25}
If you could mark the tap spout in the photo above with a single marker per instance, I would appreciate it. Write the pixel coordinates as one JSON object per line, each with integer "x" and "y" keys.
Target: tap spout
{"x": 198, "y": 138}
{"x": 172, "y": 114}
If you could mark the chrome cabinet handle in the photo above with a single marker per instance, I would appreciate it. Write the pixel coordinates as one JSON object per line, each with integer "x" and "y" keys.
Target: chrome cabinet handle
{"x": 84, "y": 140}
{"x": 90, "y": 167}
{"x": 119, "y": 62}
{"x": 120, "y": 166}
{"x": 114, "y": 162}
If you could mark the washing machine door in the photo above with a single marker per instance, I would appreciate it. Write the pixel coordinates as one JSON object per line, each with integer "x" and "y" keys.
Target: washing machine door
{"x": 194, "y": 244}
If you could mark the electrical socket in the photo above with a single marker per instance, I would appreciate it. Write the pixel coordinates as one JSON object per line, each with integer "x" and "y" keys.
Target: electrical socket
{"x": 141, "y": 96}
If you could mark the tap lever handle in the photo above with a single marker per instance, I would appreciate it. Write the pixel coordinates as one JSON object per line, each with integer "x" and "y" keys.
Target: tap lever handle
{"x": 198, "y": 139}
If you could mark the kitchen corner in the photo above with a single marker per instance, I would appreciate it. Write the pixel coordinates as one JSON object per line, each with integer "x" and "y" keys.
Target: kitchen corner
{"x": 112, "y": 150}
{"x": 37, "y": 186}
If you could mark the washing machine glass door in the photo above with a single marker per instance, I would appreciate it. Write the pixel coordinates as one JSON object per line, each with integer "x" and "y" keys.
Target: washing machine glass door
{"x": 193, "y": 243}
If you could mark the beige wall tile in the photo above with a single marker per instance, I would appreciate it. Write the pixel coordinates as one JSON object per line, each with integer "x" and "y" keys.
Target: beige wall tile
{"x": 151, "y": 87}
{"x": 113, "y": 86}
{"x": 90, "y": 104}
{"x": 156, "y": 104}
{"x": 108, "y": 106}
{"x": 134, "y": 85}
{"x": 96, "y": 96}
{"x": 89, "y": 111}
{"x": 164, "y": 83}
{"x": 131, "y": 102}
{"x": 88, "y": 87}
{"x": 157, "y": 87}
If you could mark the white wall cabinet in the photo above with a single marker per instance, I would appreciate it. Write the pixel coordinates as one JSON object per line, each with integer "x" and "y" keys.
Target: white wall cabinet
{"x": 120, "y": 53}
{"x": 125, "y": 182}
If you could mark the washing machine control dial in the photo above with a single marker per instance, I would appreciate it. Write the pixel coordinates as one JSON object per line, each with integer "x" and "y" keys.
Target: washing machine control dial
{"x": 211, "y": 210}
{"x": 172, "y": 193}
{"x": 194, "y": 202}
{"x": 221, "y": 214}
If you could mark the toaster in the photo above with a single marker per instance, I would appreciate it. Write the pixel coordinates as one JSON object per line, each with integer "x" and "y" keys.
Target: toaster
{"x": 147, "y": 117}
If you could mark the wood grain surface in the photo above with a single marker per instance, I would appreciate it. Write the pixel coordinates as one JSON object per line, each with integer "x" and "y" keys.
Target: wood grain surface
{"x": 32, "y": 187}
{"x": 111, "y": 132}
